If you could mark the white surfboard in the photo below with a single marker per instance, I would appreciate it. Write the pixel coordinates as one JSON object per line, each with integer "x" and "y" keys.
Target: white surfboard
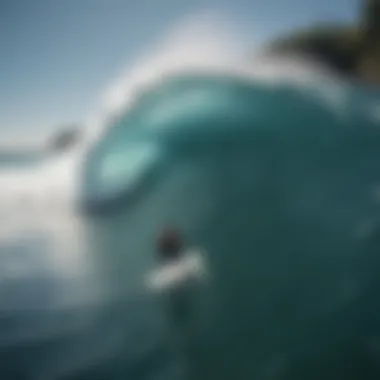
{"x": 190, "y": 266}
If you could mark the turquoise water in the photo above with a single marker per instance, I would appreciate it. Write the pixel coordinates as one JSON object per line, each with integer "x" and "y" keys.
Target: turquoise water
{"x": 278, "y": 184}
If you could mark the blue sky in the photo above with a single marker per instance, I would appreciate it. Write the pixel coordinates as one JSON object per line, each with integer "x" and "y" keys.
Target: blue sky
{"x": 57, "y": 56}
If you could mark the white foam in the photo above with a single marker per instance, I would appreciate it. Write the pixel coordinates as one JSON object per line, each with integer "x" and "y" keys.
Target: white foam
{"x": 209, "y": 43}
{"x": 206, "y": 42}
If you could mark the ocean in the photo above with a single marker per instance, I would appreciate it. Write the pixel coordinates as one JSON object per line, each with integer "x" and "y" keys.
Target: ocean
{"x": 286, "y": 209}
{"x": 277, "y": 182}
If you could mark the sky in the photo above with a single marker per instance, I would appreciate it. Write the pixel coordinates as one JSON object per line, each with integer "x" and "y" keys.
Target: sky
{"x": 57, "y": 57}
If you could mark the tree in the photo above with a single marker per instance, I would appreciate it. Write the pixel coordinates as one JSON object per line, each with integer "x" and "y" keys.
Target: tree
{"x": 371, "y": 19}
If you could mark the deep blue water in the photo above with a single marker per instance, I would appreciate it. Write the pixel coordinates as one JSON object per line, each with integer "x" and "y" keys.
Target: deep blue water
{"x": 279, "y": 185}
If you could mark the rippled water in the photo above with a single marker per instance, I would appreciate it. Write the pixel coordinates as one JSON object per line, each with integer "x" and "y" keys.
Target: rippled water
{"x": 74, "y": 304}
{"x": 288, "y": 213}
{"x": 293, "y": 287}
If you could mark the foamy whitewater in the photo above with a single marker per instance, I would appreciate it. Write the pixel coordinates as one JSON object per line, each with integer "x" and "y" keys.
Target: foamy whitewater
{"x": 202, "y": 43}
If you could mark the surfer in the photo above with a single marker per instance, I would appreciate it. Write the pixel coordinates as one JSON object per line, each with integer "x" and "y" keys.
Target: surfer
{"x": 177, "y": 264}
{"x": 175, "y": 269}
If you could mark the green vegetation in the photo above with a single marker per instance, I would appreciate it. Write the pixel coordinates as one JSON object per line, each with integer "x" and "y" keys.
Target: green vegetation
{"x": 350, "y": 50}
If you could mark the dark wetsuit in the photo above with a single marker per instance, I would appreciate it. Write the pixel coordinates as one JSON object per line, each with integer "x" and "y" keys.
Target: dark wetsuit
{"x": 169, "y": 246}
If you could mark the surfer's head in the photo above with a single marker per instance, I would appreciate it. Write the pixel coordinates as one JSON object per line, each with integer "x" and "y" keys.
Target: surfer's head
{"x": 169, "y": 244}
